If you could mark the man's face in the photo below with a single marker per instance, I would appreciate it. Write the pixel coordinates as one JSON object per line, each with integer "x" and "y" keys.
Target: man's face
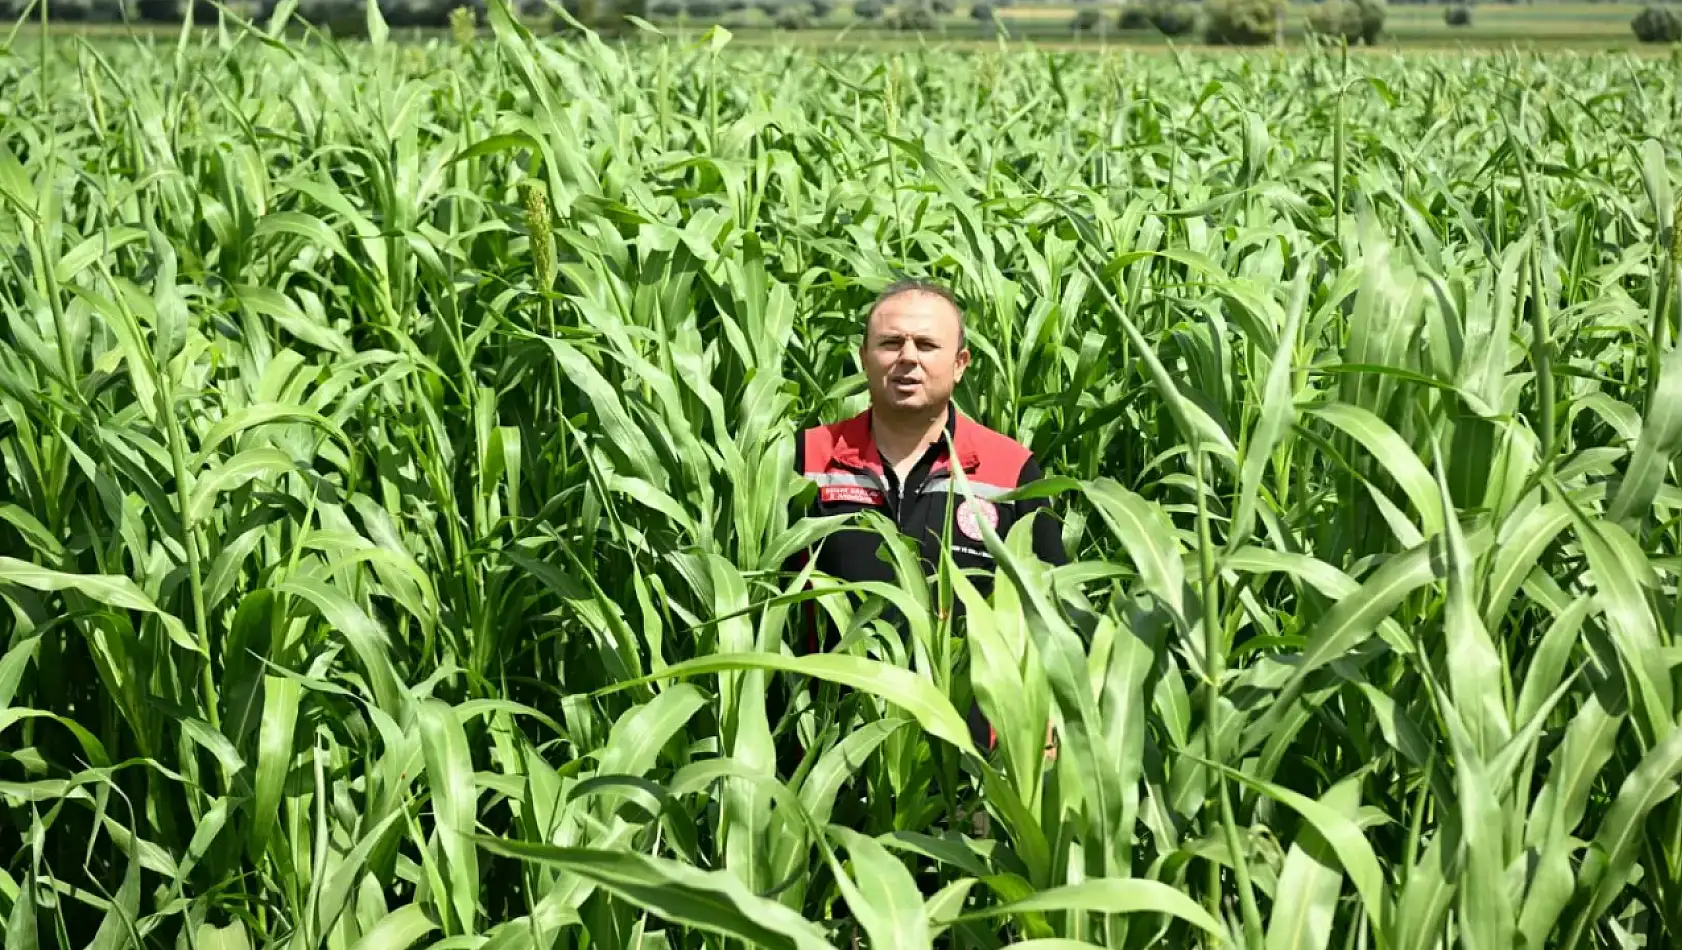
{"x": 911, "y": 354}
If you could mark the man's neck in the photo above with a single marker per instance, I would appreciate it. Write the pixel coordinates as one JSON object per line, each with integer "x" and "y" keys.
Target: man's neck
{"x": 902, "y": 438}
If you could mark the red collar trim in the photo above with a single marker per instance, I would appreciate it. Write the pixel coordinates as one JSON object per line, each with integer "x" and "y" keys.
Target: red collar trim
{"x": 854, "y": 444}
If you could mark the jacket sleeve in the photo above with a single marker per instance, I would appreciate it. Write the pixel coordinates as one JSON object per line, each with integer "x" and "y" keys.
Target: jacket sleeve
{"x": 1048, "y": 531}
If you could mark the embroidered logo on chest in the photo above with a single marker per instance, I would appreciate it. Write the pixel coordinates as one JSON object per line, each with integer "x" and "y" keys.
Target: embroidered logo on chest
{"x": 974, "y": 511}
{"x": 856, "y": 494}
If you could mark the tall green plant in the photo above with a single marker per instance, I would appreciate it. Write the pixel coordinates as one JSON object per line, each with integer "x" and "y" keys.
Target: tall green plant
{"x": 397, "y": 498}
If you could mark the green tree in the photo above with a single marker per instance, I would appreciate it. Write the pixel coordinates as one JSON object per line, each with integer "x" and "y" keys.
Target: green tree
{"x": 1242, "y": 22}
{"x": 167, "y": 11}
{"x": 1357, "y": 21}
{"x": 1657, "y": 25}
{"x": 61, "y": 10}
{"x": 914, "y": 16}
{"x": 1173, "y": 19}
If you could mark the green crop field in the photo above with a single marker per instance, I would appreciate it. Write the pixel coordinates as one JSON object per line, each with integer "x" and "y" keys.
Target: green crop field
{"x": 396, "y": 498}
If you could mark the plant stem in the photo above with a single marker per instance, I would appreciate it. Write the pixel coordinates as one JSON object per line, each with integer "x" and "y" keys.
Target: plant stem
{"x": 1214, "y": 652}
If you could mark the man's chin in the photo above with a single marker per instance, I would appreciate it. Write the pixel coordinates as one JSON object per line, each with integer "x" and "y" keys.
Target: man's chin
{"x": 914, "y": 405}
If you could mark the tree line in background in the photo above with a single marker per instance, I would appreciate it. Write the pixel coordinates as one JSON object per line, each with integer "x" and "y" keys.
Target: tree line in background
{"x": 1216, "y": 22}
{"x": 343, "y": 16}
{"x": 1219, "y": 22}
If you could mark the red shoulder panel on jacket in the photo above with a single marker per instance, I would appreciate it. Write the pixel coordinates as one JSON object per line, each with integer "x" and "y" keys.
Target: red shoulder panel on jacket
{"x": 847, "y": 440}
{"x": 998, "y": 457}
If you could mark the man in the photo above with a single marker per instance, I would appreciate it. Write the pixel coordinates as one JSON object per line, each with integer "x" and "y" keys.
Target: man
{"x": 895, "y": 458}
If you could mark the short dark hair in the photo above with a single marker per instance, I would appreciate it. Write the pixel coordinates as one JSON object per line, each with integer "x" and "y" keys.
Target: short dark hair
{"x": 918, "y": 285}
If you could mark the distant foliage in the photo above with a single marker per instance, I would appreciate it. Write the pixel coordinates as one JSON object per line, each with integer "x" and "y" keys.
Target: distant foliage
{"x": 793, "y": 17}
{"x": 1173, "y": 19}
{"x": 666, "y": 9}
{"x": 914, "y": 16}
{"x": 704, "y": 10}
{"x": 1458, "y": 15}
{"x": 1657, "y": 25}
{"x": 1134, "y": 16}
{"x": 1372, "y": 20}
{"x": 587, "y": 12}
{"x": 868, "y": 9}
{"x": 68, "y": 10}
{"x": 944, "y": 7}
{"x": 1085, "y": 21}
{"x": 162, "y": 11}
{"x": 429, "y": 13}
{"x": 606, "y": 17}
{"x": 1241, "y": 22}
{"x": 346, "y": 19}
{"x": 981, "y": 12}
{"x": 1358, "y": 21}
{"x": 822, "y": 8}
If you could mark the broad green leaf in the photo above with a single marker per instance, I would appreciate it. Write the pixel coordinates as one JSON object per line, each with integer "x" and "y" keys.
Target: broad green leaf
{"x": 1391, "y": 452}
{"x": 892, "y": 913}
{"x": 1109, "y": 896}
{"x": 397, "y": 930}
{"x": 120, "y": 927}
{"x": 366, "y": 638}
{"x": 714, "y": 901}
{"x": 1278, "y": 414}
{"x": 1354, "y": 618}
{"x": 1330, "y": 821}
{"x": 449, "y": 770}
{"x": 111, "y": 590}
{"x": 237, "y": 471}
{"x": 1306, "y": 901}
{"x": 1661, "y": 440}
{"x": 1614, "y": 848}
{"x": 262, "y": 414}
{"x": 900, "y": 687}
{"x": 233, "y": 936}
{"x": 1620, "y": 572}
{"x": 1479, "y": 690}
{"x": 275, "y": 742}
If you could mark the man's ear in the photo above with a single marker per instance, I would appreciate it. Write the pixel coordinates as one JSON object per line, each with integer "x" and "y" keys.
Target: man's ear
{"x": 963, "y": 364}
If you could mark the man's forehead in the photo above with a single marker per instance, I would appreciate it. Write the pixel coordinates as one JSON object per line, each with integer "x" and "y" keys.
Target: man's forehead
{"x": 916, "y": 312}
